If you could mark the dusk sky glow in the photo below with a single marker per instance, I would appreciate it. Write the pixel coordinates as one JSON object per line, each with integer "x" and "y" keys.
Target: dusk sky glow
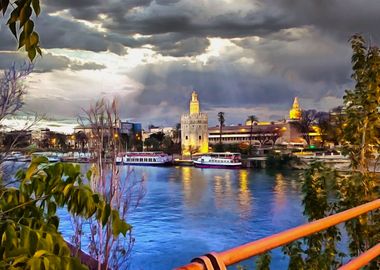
{"x": 243, "y": 57}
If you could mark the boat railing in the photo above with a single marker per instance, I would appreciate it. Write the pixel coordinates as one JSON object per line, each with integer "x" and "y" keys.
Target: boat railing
{"x": 220, "y": 260}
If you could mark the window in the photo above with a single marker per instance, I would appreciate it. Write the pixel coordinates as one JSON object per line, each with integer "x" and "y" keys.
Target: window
{"x": 200, "y": 137}
{"x": 187, "y": 137}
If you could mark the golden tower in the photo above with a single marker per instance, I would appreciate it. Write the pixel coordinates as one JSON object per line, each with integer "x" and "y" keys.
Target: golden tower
{"x": 295, "y": 112}
{"x": 194, "y": 129}
{"x": 194, "y": 103}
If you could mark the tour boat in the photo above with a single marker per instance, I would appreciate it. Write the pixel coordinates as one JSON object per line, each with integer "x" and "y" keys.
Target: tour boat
{"x": 219, "y": 160}
{"x": 147, "y": 158}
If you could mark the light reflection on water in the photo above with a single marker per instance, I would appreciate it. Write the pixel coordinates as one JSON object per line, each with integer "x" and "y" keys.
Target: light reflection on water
{"x": 188, "y": 212}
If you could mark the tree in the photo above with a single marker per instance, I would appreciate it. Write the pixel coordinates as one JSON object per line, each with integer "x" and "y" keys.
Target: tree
{"x": 221, "y": 120}
{"x": 123, "y": 194}
{"x": 306, "y": 122}
{"x": 12, "y": 90}
{"x": 81, "y": 140}
{"x": 251, "y": 119}
{"x": 20, "y": 18}
{"x": 29, "y": 224}
{"x": 361, "y": 142}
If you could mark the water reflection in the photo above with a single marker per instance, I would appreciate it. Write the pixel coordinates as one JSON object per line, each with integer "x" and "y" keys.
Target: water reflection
{"x": 245, "y": 195}
{"x": 194, "y": 186}
{"x": 279, "y": 192}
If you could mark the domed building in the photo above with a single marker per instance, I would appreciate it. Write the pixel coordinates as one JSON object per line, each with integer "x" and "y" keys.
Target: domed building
{"x": 194, "y": 129}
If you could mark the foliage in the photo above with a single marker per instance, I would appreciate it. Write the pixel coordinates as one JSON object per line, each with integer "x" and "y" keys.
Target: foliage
{"x": 263, "y": 261}
{"x": 219, "y": 147}
{"x": 360, "y": 138}
{"x": 361, "y": 141}
{"x": 308, "y": 118}
{"x": 280, "y": 161}
{"x": 20, "y": 18}
{"x": 80, "y": 140}
{"x": 123, "y": 194}
{"x": 361, "y": 133}
{"x": 29, "y": 225}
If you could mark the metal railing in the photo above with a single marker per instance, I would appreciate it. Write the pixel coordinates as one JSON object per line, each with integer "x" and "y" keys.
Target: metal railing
{"x": 219, "y": 260}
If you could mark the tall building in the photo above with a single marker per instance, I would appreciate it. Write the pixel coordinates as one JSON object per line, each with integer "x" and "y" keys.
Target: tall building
{"x": 194, "y": 129}
{"x": 295, "y": 112}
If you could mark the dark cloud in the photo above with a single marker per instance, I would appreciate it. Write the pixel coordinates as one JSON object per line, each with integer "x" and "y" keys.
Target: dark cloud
{"x": 48, "y": 62}
{"x": 166, "y": 2}
{"x": 280, "y": 48}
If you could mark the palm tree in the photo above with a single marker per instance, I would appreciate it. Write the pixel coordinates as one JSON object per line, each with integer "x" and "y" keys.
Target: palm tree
{"x": 252, "y": 119}
{"x": 221, "y": 123}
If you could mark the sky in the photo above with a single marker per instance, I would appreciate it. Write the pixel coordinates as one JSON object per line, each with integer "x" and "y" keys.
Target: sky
{"x": 243, "y": 57}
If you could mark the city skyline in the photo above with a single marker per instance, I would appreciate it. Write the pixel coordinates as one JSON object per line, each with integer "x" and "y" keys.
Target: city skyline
{"x": 243, "y": 58}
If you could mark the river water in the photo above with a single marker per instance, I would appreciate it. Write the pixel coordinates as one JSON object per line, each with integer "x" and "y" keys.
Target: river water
{"x": 188, "y": 212}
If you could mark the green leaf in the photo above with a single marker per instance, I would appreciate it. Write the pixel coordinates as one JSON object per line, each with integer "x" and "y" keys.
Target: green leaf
{"x": 21, "y": 41}
{"x": 118, "y": 225}
{"x": 105, "y": 214}
{"x": 34, "y": 39}
{"x": 46, "y": 263}
{"x": 33, "y": 240}
{"x": 20, "y": 259}
{"x": 36, "y": 7}
{"x": 28, "y": 28}
{"x": 67, "y": 190}
{"x": 89, "y": 174}
{"x": 32, "y": 53}
{"x": 25, "y": 14}
{"x": 34, "y": 264}
{"x": 52, "y": 208}
{"x": 40, "y": 253}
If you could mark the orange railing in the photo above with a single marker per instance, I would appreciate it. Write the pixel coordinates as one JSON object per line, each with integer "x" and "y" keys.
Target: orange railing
{"x": 238, "y": 254}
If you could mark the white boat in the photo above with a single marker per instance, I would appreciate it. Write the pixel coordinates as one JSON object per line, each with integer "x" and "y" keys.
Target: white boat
{"x": 219, "y": 160}
{"x": 147, "y": 158}
{"x": 327, "y": 157}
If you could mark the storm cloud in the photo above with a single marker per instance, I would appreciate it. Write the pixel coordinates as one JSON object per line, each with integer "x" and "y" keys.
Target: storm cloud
{"x": 243, "y": 57}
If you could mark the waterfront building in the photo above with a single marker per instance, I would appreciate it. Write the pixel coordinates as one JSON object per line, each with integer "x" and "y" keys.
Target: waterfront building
{"x": 262, "y": 134}
{"x": 284, "y": 132}
{"x": 194, "y": 129}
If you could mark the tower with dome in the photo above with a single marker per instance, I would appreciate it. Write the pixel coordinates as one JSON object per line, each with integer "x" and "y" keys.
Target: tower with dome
{"x": 194, "y": 129}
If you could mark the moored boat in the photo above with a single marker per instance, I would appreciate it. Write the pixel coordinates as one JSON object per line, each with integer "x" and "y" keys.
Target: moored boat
{"x": 219, "y": 160}
{"x": 147, "y": 159}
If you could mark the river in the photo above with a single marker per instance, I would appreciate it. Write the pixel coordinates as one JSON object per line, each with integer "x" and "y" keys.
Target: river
{"x": 188, "y": 212}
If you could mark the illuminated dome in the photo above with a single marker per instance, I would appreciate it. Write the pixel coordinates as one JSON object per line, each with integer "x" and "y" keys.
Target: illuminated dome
{"x": 295, "y": 112}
